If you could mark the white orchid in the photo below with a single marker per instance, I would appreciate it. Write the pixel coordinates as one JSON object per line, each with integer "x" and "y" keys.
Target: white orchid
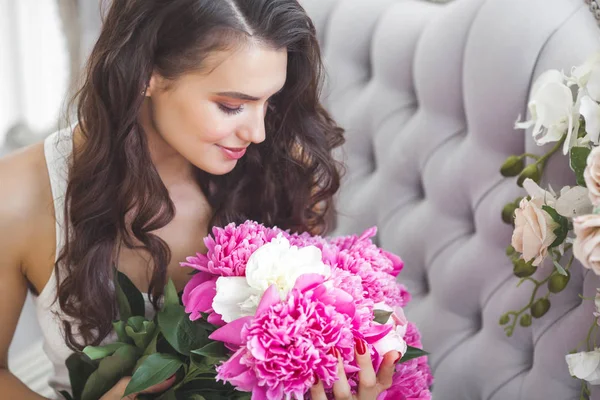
{"x": 587, "y": 76}
{"x": 590, "y": 110}
{"x": 275, "y": 263}
{"x": 552, "y": 109}
{"x": 585, "y": 365}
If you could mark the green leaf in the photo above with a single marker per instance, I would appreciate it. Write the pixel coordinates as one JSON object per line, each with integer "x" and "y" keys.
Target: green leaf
{"x": 180, "y": 332}
{"x": 97, "y": 352}
{"x": 139, "y": 363}
{"x": 563, "y": 225}
{"x": 170, "y": 297}
{"x": 213, "y": 350}
{"x": 559, "y": 268}
{"x": 578, "y": 161}
{"x": 80, "y": 368}
{"x": 156, "y": 369}
{"x": 151, "y": 348}
{"x": 382, "y": 316}
{"x": 141, "y": 333}
{"x": 119, "y": 327}
{"x": 170, "y": 395}
{"x": 412, "y": 352}
{"x": 66, "y": 395}
{"x": 110, "y": 370}
{"x": 126, "y": 291}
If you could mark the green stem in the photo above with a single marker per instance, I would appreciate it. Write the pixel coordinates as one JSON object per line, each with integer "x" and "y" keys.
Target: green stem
{"x": 516, "y": 314}
{"x": 589, "y": 335}
{"x": 542, "y": 160}
{"x": 535, "y": 157}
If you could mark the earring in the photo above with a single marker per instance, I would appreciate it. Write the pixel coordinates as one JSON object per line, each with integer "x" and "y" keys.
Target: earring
{"x": 144, "y": 91}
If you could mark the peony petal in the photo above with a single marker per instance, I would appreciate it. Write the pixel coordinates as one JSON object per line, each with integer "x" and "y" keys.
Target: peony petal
{"x": 196, "y": 280}
{"x": 376, "y": 332}
{"x": 232, "y": 332}
{"x": 259, "y": 393}
{"x": 308, "y": 281}
{"x": 270, "y": 297}
{"x": 215, "y": 319}
{"x": 201, "y": 298}
{"x": 233, "y": 367}
{"x": 231, "y": 292}
{"x": 397, "y": 262}
{"x": 369, "y": 233}
{"x": 391, "y": 342}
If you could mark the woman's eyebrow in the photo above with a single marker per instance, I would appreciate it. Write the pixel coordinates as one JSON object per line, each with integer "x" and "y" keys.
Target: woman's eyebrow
{"x": 242, "y": 96}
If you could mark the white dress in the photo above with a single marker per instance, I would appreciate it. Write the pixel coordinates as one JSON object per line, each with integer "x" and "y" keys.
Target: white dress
{"x": 57, "y": 150}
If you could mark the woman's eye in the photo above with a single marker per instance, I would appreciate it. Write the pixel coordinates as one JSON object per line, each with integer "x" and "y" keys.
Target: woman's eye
{"x": 230, "y": 110}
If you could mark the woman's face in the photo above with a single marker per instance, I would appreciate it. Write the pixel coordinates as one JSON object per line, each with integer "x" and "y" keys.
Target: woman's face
{"x": 210, "y": 118}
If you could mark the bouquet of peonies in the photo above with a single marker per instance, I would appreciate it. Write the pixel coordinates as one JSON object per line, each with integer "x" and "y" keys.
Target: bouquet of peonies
{"x": 267, "y": 313}
{"x": 556, "y": 227}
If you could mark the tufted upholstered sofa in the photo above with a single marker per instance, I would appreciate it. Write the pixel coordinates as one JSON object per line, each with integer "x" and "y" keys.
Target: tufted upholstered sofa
{"x": 429, "y": 94}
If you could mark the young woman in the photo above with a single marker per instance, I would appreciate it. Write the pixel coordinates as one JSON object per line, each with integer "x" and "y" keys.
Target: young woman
{"x": 193, "y": 113}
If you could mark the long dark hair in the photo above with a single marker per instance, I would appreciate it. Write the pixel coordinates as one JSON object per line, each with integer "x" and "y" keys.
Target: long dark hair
{"x": 288, "y": 180}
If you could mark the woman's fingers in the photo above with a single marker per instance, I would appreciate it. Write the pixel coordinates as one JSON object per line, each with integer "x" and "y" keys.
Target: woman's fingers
{"x": 341, "y": 387}
{"x": 367, "y": 380}
{"x": 317, "y": 391}
{"x": 387, "y": 369}
{"x": 161, "y": 387}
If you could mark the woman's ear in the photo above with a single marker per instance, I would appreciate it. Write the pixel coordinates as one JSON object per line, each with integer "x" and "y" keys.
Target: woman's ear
{"x": 153, "y": 85}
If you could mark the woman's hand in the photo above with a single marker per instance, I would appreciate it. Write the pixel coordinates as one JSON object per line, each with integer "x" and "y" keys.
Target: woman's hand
{"x": 116, "y": 393}
{"x": 370, "y": 385}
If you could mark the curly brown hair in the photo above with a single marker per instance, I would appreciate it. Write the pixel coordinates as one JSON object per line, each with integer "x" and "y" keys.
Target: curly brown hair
{"x": 288, "y": 180}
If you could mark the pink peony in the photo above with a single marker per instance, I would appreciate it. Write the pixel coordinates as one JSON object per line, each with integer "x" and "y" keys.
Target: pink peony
{"x": 352, "y": 284}
{"x": 363, "y": 247}
{"x": 229, "y": 248}
{"x": 306, "y": 326}
{"x": 412, "y": 378}
{"x": 379, "y": 285}
{"x": 410, "y": 382}
{"x": 197, "y": 297}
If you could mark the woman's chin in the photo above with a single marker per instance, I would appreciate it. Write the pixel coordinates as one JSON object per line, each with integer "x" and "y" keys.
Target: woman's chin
{"x": 220, "y": 168}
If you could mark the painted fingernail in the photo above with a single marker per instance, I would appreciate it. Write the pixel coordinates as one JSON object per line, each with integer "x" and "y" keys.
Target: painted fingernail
{"x": 397, "y": 358}
{"x": 316, "y": 378}
{"x": 360, "y": 345}
{"x": 332, "y": 352}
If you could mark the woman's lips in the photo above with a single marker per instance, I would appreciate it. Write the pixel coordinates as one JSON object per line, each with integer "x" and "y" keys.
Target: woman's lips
{"x": 234, "y": 153}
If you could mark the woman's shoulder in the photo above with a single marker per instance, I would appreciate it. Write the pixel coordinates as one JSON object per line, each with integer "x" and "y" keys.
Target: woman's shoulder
{"x": 25, "y": 192}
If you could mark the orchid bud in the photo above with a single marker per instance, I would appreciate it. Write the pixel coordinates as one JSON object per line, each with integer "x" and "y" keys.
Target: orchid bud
{"x": 540, "y": 308}
{"x": 523, "y": 269}
{"x": 512, "y": 166}
{"x": 531, "y": 171}
{"x": 558, "y": 282}
{"x": 508, "y": 213}
{"x": 525, "y": 320}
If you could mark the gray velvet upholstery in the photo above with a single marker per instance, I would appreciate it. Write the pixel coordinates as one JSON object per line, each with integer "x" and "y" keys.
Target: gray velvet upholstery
{"x": 429, "y": 94}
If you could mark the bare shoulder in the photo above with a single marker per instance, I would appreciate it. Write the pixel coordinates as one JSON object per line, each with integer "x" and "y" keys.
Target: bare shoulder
{"x": 25, "y": 199}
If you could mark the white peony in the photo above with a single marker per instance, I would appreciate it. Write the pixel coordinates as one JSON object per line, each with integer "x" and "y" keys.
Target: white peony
{"x": 394, "y": 340}
{"x": 275, "y": 263}
{"x": 585, "y": 365}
